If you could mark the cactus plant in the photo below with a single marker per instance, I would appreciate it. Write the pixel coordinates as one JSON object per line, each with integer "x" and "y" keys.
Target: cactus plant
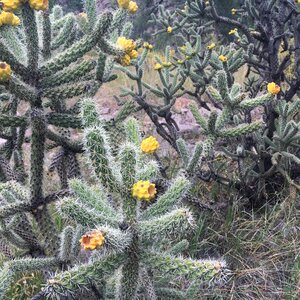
{"x": 123, "y": 262}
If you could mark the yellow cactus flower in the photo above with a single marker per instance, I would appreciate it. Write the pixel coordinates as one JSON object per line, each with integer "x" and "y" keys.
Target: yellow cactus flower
{"x": 273, "y": 88}
{"x": 170, "y": 29}
{"x": 39, "y": 4}
{"x": 132, "y": 7}
{"x": 222, "y": 58}
{"x": 211, "y": 46}
{"x": 157, "y": 67}
{"x": 8, "y": 18}
{"x": 144, "y": 190}
{"x": 93, "y": 240}
{"x": 150, "y": 144}
{"x": 167, "y": 64}
{"x": 133, "y": 54}
{"x": 5, "y": 72}
{"x": 233, "y": 31}
{"x": 180, "y": 61}
{"x": 148, "y": 46}
{"x": 125, "y": 60}
{"x": 233, "y": 11}
{"x": 123, "y": 3}
{"x": 10, "y": 5}
{"x": 126, "y": 44}
{"x": 172, "y": 52}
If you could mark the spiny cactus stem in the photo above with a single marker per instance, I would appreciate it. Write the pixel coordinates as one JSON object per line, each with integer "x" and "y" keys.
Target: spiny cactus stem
{"x": 46, "y": 36}
{"x": 73, "y": 146}
{"x": 14, "y": 208}
{"x": 30, "y": 28}
{"x": 37, "y": 154}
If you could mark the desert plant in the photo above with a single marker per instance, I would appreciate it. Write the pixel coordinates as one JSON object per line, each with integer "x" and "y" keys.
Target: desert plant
{"x": 126, "y": 220}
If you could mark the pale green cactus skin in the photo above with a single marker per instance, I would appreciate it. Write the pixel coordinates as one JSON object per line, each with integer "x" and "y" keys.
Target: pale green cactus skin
{"x": 47, "y": 55}
{"x": 130, "y": 231}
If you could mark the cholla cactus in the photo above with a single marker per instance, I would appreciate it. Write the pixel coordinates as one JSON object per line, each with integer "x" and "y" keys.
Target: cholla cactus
{"x": 125, "y": 263}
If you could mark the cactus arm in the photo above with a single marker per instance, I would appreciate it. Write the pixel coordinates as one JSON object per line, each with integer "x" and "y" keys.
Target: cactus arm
{"x": 93, "y": 196}
{"x": 13, "y": 121}
{"x": 76, "y": 51}
{"x": 174, "y": 225}
{"x": 19, "y": 68}
{"x": 12, "y": 268}
{"x": 64, "y": 120}
{"x": 101, "y": 158}
{"x": 83, "y": 214}
{"x": 204, "y": 270}
{"x": 169, "y": 199}
{"x": 241, "y": 130}
{"x": 32, "y": 40}
{"x": 47, "y": 32}
{"x": 69, "y": 282}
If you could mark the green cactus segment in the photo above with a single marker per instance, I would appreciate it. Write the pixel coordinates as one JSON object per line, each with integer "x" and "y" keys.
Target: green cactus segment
{"x": 12, "y": 268}
{"x": 93, "y": 196}
{"x": 169, "y": 199}
{"x": 66, "y": 244}
{"x": 90, "y": 115}
{"x": 13, "y": 121}
{"x": 101, "y": 158}
{"x": 242, "y": 130}
{"x": 150, "y": 170}
{"x": 195, "y": 158}
{"x": 78, "y": 49}
{"x": 83, "y": 214}
{"x": 252, "y": 103}
{"x": 182, "y": 147}
{"x": 68, "y": 92}
{"x": 204, "y": 270}
{"x": 174, "y": 225}
{"x": 63, "y": 34}
{"x": 71, "y": 74}
{"x": 179, "y": 248}
{"x": 198, "y": 117}
{"x": 30, "y": 27}
{"x": 70, "y": 282}
{"x": 132, "y": 131}
{"x": 128, "y": 160}
{"x": 64, "y": 120}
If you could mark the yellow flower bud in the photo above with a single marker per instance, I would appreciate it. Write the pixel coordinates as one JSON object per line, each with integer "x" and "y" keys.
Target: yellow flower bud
{"x": 233, "y": 11}
{"x": 222, "y": 58}
{"x": 149, "y": 145}
{"x": 144, "y": 190}
{"x": 211, "y": 46}
{"x": 39, "y": 4}
{"x": 10, "y": 5}
{"x": 157, "y": 67}
{"x": 273, "y": 88}
{"x": 132, "y": 7}
{"x": 233, "y": 31}
{"x": 92, "y": 240}
{"x": 123, "y": 3}
{"x": 148, "y": 46}
{"x": 5, "y": 72}
{"x": 169, "y": 29}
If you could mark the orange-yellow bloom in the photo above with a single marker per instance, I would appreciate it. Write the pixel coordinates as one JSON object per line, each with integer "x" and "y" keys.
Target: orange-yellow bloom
{"x": 144, "y": 190}
{"x": 132, "y": 7}
{"x": 10, "y": 5}
{"x": 39, "y": 4}
{"x": 92, "y": 240}
{"x": 222, "y": 58}
{"x": 273, "y": 88}
{"x": 5, "y": 71}
{"x": 149, "y": 145}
